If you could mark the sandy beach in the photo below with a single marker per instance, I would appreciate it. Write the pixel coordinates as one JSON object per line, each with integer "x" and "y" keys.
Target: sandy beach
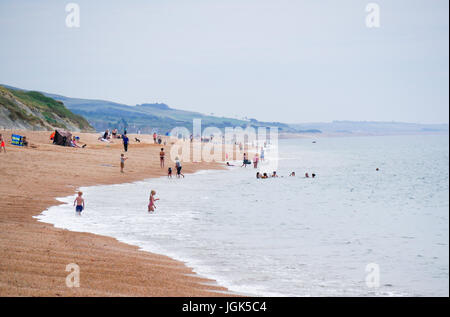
{"x": 34, "y": 255}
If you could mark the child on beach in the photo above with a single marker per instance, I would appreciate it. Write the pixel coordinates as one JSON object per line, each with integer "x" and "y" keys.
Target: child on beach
{"x": 2, "y": 144}
{"x": 79, "y": 201}
{"x": 151, "y": 205}
{"x": 169, "y": 172}
{"x": 122, "y": 162}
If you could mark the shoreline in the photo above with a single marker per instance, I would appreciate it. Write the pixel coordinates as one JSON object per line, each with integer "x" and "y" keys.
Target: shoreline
{"x": 66, "y": 201}
{"x": 35, "y": 254}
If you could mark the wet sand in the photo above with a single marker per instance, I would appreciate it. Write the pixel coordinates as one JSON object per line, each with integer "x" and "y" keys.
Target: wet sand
{"x": 34, "y": 255}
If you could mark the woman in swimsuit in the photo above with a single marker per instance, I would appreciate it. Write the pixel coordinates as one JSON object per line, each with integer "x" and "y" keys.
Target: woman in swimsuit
{"x": 161, "y": 158}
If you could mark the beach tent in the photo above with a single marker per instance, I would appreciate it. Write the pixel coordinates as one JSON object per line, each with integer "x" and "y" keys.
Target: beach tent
{"x": 62, "y": 138}
{"x": 17, "y": 140}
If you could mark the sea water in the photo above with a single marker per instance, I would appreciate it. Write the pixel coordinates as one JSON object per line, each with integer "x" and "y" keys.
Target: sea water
{"x": 350, "y": 231}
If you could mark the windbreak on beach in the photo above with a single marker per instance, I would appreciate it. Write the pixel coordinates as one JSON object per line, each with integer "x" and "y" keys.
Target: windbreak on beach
{"x": 62, "y": 138}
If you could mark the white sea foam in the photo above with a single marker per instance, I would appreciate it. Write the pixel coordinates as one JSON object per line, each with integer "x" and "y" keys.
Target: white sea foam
{"x": 293, "y": 236}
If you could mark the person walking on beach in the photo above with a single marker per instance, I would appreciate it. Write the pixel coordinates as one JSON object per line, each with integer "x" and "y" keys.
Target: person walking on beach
{"x": 2, "y": 144}
{"x": 79, "y": 202}
{"x": 178, "y": 167}
{"x": 161, "y": 158}
{"x": 262, "y": 154}
{"x": 125, "y": 141}
{"x": 154, "y": 137}
{"x": 151, "y": 204}
{"x": 122, "y": 162}
{"x": 245, "y": 161}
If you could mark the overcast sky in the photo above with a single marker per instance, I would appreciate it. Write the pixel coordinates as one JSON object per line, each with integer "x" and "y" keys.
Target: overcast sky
{"x": 278, "y": 60}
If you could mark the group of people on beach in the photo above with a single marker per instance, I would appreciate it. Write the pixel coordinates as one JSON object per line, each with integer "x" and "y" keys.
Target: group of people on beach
{"x": 178, "y": 166}
{"x": 114, "y": 134}
{"x": 256, "y": 158}
{"x": 108, "y": 136}
{"x": 157, "y": 139}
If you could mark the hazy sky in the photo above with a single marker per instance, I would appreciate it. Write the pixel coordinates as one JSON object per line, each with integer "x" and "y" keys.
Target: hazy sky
{"x": 280, "y": 60}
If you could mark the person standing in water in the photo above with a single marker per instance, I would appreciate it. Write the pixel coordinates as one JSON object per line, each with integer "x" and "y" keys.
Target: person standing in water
{"x": 79, "y": 202}
{"x": 255, "y": 160}
{"x": 152, "y": 199}
{"x": 161, "y": 158}
{"x": 244, "y": 162}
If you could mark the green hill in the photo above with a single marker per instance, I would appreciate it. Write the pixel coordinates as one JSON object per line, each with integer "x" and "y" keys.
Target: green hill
{"x": 148, "y": 117}
{"x": 32, "y": 110}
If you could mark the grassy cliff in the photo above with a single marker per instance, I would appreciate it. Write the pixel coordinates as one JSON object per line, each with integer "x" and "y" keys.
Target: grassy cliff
{"x": 32, "y": 110}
